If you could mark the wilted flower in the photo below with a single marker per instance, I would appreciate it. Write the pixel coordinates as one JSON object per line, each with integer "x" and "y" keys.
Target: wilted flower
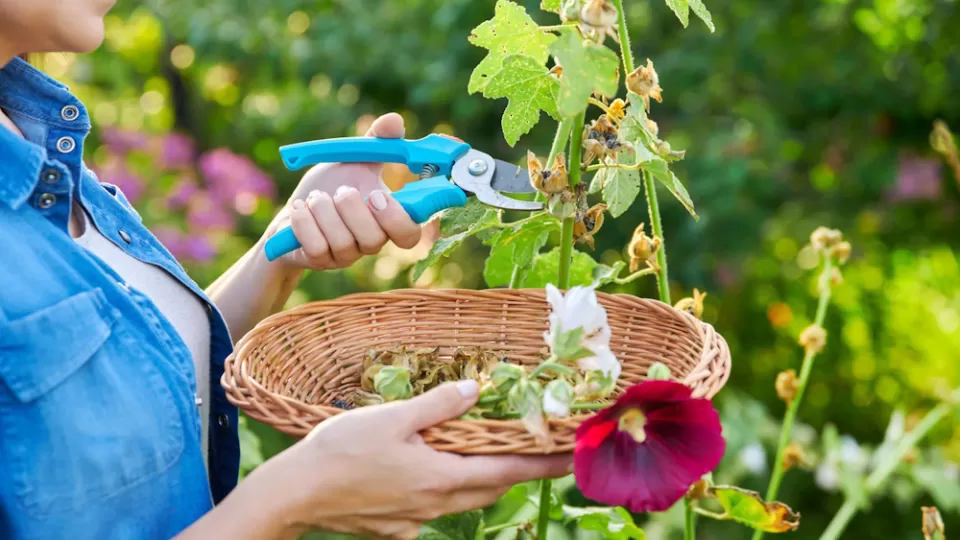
{"x": 646, "y": 450}
{"x": 548, "y": 181}
{"x": 794, "y": 456}
{"x": 526, "y": 398}
{"x": 557, "y": 397}
{"x": 616, "y": 111}
{"x": 588, "y": 224}
{"x": 580, "y": 315}
{"x": 600, "y": 140}
{"x": 642, "y": 248}
{"x": 932, "y": 523}
{"x": 813, "y": 338}
{"x": 787, "y": 385}
{"x": 692, "y": 305}
{"x": 645, "y": 82}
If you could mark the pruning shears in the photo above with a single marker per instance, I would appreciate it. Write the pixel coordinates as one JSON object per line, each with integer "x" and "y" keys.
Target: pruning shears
{"x": 449, "y": 171}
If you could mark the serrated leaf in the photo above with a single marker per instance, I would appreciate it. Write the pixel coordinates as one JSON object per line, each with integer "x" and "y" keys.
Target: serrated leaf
{"x": 546, "y": 266}
{"x": 587, "y": 68}
{"x": 681, "y": 9}
{"x": 498, "y": 268}
{"x": 442, "y": 247}
{"x": 550, "y": 5}
{"x": 528, "y": 86}
{"x": 659, "y": 169}
{"x": 615, "y": 523}
{"x": 516, "y": 246}
{"x": 462, "y": 218}
{"x": 748, "y": 508}
{"x": 702, "y": 12}
{"x": 603, "y": 274}
{"x": 466, "y": 526}
{"x": 621, "y": 186}
{"x": 596, "y": 184}
{"x": 510, "y": 31}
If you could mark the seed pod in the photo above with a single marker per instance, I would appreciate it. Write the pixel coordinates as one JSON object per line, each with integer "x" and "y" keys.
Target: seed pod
{"x": 692, "y": 305}
{"x": 823, "y": 238}
{"x": 366, "y": 380}
{"x": 550, "y": 181}
{"x": 642, "y": 248}
{"x": 363, "y": 398}
{"x": 794, "y": 456}
{"x": 842, "y": 252}
{"x": 645, "y": 82}
{"x": 787, "y": 385}
{"x": 588, "y": 223}
{"x": 813, "y": 338}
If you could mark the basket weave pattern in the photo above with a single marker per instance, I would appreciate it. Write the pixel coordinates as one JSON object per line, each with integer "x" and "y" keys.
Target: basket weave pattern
{"x": 288, "y": 370}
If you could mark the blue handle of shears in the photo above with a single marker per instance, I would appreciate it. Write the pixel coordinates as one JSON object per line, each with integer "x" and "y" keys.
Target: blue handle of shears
{"x": 421, "y": 199}
{"x": 433, "y": 150}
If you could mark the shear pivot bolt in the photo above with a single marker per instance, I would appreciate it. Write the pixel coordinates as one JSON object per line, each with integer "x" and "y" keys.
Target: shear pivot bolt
{"x": 477, "y": 167}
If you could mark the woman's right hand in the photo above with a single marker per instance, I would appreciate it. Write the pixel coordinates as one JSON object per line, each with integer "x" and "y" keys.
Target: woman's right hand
{"x": 369, "y": 472}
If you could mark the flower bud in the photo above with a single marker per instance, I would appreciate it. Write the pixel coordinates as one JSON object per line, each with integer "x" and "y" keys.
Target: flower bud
{"x": 841, "y": 252}
{"x": 645, "y": 82}
{"x": 642, "y": 248}
{"x": 932, "y": 523}
{"x": 787, "y": 385}
{"x": 823, "y": 238}
{"x": 596, "y": 386}
{"x": 692, "y": 305}
{"x": 658, "y": 372}
{"x": 393, "y": 383}
{"x": 813, "y": 338}
{"x": 794, "y": 456}
{"x": 557, "y": 397}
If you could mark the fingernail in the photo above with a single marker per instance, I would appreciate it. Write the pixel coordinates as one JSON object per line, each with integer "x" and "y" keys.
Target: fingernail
{"x": 297, "y": 204}
{"x": 469, "y": 388}
{"x": 378, "y": 200}
{"x": 313, "y": 194}
{"x": 342, "y": 192}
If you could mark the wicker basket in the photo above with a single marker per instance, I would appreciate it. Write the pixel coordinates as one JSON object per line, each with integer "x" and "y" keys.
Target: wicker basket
{"x": 288, "y": 370}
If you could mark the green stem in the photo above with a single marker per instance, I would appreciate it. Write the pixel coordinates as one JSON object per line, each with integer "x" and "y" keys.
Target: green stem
{"x": 786, "y": 430}
{"x": 566, "y": 232}
{"x": 624, "y": 36}
{"x": 498, "y": 528}
{"x": 517, "y": 277}
{"x": 543, "y": 520}
{"x": 656, "y": 225}
{"x": 623, "y": 166}
{"x": 588, "y": 406}
{"x": 550, "y": 365}
{"x": 689, "y": 521}
{"x": 636, "y": 275}
{"x": 709, "y": 514}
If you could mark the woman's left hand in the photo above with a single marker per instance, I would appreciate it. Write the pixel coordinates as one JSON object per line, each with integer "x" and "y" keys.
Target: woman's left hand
{"x": 330, "y": 219}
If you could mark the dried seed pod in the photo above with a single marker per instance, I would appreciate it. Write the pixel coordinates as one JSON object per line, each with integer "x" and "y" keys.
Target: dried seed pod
{"x": 548, "y": 181}
{"x": 787, "y": 385}
{"x": 598, "y": 19}
{"x": 588, "y": 224}
{"x": 842, "y": 252}
{"x": 362, "y": 398}
{"x": 692, "y": 305}
{"x": 813, "y": 338}
{"x": 369, "y": 359}
{"x": 642, "y": 248}
{"x": 794, "y": 456}
{"x": 600, "y": 140}
{"x": 645, "y": 82}
{"x": 366, "y": 380}
{"x": 823, "y": 238}
{"x": 932, "y": 523}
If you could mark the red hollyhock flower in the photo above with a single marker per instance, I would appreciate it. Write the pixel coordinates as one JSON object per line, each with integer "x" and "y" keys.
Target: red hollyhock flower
{"x": 646, "y": 450}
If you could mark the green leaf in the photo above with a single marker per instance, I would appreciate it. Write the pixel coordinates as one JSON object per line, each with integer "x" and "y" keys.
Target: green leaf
{"x": 517, "y": 246}
{"x": 510, "y": 31}
{"x": 528, "y": 86}
{"x": 702, "y": 12}
{"x": 748, "y": 508}
{"x": 659, "y": 169}
{"x": 681, "y": 9}
{"x": 498, "y": 269}
{"x": 566, "y": 345}
{"x": 546, "y": 266}
{"x": 633, "y": 127}
{"x": 620, "y": 188}
{"x": 615, "y": 523}
{"x": 466, "y": 526}
{"x": 944, "y": 492}
{"x": 550, "y": 5}
{"x": 460, "y": 219}
{"x": 443, "y": 247}
{"x": 603, "y": 274}
{"x": 587, "y": 68}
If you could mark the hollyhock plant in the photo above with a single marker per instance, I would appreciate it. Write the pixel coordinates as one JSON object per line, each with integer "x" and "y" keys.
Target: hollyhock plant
{"x": 579, "y": 330}
{"x": 649, "y": 448}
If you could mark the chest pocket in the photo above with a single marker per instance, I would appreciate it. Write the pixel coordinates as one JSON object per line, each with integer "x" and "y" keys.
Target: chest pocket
{"x": 84, "y": 415}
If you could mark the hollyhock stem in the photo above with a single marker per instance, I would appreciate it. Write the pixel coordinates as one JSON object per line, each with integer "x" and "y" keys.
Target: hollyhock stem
{"x": 786, "y": 430}
{"x": 689, "y": 520}
{"x": 883, "y": 471}
{"x": 588, "y": 406}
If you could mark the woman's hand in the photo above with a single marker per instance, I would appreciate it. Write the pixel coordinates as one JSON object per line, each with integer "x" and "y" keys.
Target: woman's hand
{"x": 329, "y": 217}
{"x": 368, "y": 472}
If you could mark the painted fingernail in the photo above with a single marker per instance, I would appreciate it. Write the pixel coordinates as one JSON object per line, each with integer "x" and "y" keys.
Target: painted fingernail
{"x": 378, "y": 200}
{"x": 297, "y": 204}
{"x": 342, "y": 192}
{"x": 468, "y": 388}
{"x": 313, "y": 194}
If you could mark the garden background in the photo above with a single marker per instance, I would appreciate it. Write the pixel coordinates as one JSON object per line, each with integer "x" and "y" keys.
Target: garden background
{"x": 794, "y": 114}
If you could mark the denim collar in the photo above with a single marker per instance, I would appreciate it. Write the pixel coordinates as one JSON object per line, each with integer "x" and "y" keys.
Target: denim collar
{"x": 28, "y": 91}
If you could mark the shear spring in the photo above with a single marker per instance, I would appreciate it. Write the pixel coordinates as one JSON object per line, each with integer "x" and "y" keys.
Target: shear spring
{"x": 428, "y": 171}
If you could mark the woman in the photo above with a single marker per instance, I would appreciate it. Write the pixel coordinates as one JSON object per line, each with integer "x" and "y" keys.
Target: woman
{"x": 112, "y": 420}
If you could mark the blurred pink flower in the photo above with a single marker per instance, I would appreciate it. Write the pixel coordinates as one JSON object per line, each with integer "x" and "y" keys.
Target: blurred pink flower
{"x": 206, "y": 213}
{"x": 176, "y": 151}
{"x": 229, "y": 175}
{"x": 122, "y": 141}
{"x": 918, "y": 179}
{"x": 172, "y": 239}
{"x": 181, "y": 193}
{"x": 116, "y": 172}
{"x": 198, "y": 248}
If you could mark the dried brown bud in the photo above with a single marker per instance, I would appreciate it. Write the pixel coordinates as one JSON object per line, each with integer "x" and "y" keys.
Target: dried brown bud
{"x": 551, "y": 181}
{"x": 842, "y": 252}
{"x": 698, "y": 490}
{"x": 600, "y": 140}
{"x": 597, "y": 19}
{"x": 794, "y": 456}
{"x": 588, "y": 224}
{"x": 692, "y": 305}
{"x": 932, "y": 523}
{"x": 652, "y": 127}
{"x": 642, "y": 248}
{"x": 366, "y": 380}
{"x": 836, "y": 278}
{"x": 813, "y": 338}
{"x": 823, "y": 238}
{"x": 645, "y": 82}
{"x": 787, "y": 385}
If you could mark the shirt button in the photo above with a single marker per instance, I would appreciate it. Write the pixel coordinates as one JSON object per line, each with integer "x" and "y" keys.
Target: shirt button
{"x": 124, "y": 236}
{"x": 51, "y": 176}
{"x": 223, "y": 421}
{"x": 66, "y": 145}
{"x": 69, "y": 113}
{"x": 197, "y": 400}
{"x": 46, "y": 200}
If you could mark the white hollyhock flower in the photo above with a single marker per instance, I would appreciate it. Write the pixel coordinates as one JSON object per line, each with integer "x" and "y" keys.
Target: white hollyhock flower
{"x": 580, "y": 309}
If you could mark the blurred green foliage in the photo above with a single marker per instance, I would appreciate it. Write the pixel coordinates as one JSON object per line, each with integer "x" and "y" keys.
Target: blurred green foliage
{"x": 793, "y": 114}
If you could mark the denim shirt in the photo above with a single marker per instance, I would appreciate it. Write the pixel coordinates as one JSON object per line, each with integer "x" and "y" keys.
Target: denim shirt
{"x": 99, "y": 427}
